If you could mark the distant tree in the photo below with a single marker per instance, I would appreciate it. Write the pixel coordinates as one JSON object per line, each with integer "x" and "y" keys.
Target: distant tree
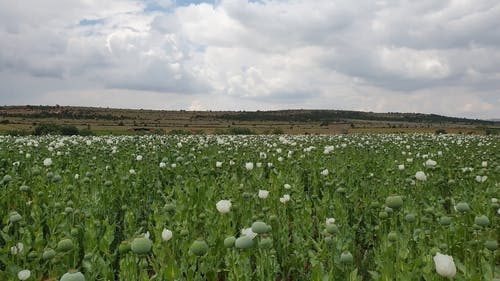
{"x": 440, "y": 131}
{"x": 277, "y": 131}
{"x": 240, "y": 131}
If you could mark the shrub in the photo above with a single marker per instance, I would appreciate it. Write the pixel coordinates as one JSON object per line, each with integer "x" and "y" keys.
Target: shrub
{"x": 440, "y": 132}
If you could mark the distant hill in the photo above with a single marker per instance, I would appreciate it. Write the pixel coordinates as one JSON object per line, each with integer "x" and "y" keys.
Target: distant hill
{"x": 296, "y": 121}
{"x": 296, "y": 115}
{"x": 344, "y": 115}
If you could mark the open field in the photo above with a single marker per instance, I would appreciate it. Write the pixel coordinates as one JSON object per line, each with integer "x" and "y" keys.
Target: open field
{"x": 295, "y": 122}
{"x": 345, "y": 207}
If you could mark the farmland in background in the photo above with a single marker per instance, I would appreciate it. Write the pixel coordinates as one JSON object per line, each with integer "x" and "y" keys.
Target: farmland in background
{"x": 295, "y": 122}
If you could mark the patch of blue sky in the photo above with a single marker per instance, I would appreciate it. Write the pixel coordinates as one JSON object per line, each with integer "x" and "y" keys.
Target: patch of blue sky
{"x": 90, "y": 22}
{"x": 155, "y": 6}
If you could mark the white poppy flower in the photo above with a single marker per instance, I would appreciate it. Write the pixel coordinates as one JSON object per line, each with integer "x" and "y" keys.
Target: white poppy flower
{"x": 166, "y": 235}
{"x": 47, "y": 162}
{"x": 420, "y": 176}
{"x": 223, "y": 206}
{"x": 430, "y": 163}
{"x": 285, "y": 198}
{"x": 330, "y": 221}
{"x": 263, "y": 194}
{"x": 249, "y": 166}
{"x": 445, "y": 265}
{"x": 24, "y": 274}
{"x": 248, "y": 232}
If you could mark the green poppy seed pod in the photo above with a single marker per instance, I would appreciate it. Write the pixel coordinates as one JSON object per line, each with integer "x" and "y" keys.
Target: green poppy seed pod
{"x": 374, "y": 205}
{"x": 332, "y": 228}
{"x": 64, "y": 245}
{"x": 73, "y": 276}
{"x": 169, "y": 207}
{"x": 266, "y": 243}
{"x": 393, "y": 236}
{"x": 184, "y": 232}
{"x": 410, "y": 218}
{"x": 32, "y": 255}
{"x": 15, "y": 217}
{"x": 124, "y": 247}
{"x": 48, "y": 254}
{"x": 394, "y": 202}
{"x": 68, "y": 210}
{"x": 243, "y": 242}
{"x": 7, "y": 178}
{"x": 346, "y": 257}
{"x": 49, "y": 175}
{"x": 341, "y": 190}
{"x": 229, "y": 241}
{"x": 383, "y": 215}
{"x": 328, "y": 240}
{"x": 88, "y": 256}
{"x": 260, "y": 227}
{"x": 199, "y": 247}
{"x": 429, "y": 211}
{"x": 462, "y": 207}
{"x": 141, "y": 246}
{"x": 491, "y": 245}
{"x": 74, "y": 231}
{"x": 482, "y": 220}
{"x": 246, "y": 195}
{"x": 445, "y": 221}
{"x": 24, "y": 188}
{"x": 36, "y": 171}
{"x": 388, "y": 210}
{"x": 273, "y": 218}
{"x": 265, "y": 209}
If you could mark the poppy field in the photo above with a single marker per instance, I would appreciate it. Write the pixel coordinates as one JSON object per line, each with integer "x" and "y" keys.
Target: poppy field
{"x": 346, "y": 207}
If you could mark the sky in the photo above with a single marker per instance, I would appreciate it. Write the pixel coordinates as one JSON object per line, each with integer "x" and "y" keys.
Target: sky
{"x": 425, "y": 56}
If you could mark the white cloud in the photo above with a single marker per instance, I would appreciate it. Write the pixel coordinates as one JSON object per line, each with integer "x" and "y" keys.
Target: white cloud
{"x": 422, "y": 56}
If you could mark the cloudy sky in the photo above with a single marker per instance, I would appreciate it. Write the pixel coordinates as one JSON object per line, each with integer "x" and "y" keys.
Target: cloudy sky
{"x": 408, "y": 56}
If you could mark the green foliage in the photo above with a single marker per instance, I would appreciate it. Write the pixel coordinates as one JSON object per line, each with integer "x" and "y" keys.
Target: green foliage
{"x": 240, "y": 131}
{"x": 180, "y": 132}
{"x": 100, "y": 206}
{"x": 17, "y": 133}
{"x": 56, "y": 129}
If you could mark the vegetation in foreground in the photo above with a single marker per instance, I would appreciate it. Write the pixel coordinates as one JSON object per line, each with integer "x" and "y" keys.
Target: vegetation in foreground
{"x": 365, "y": 207}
